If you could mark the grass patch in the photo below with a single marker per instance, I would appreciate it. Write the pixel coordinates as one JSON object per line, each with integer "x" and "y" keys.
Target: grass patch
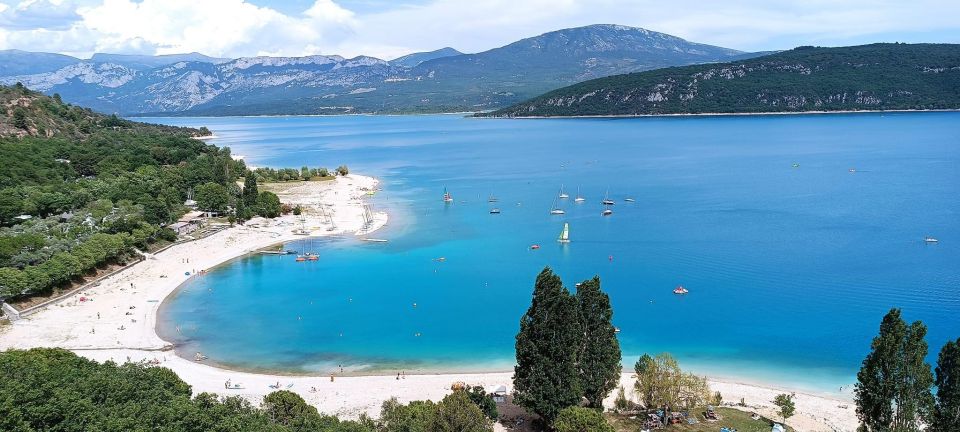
{"x": 730, "y": 418}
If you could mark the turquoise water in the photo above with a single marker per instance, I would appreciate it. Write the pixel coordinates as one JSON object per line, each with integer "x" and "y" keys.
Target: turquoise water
{"x": 789, "y": 268}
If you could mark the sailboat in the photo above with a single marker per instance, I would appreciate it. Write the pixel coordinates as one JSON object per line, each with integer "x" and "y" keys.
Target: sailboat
{"x": 492, "y": 199}
{"x": 606, "y": 212}
{"x": 446, "y": 196}
{"x": 563, "y": 195}
{"x": 565, "y": 234}
{"x": 578, "y": 199}
{"x": 554, "y": 210}
{"x": 606, "y": 199}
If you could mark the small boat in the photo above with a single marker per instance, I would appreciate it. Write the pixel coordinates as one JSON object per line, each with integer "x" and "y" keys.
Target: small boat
{"x": 494, "y": 211}
{"x": 929, "y": 239}
{"x": 606, "y": 212}
{"x": 301, "y": 258}
{"x": 607, "y": 200}
{"x": 796, "y": 165}
{"x": 579, "y": 198}
{"x": 534, "y": 247}
{"x": 554, "y": 210}
{"x": 629, "y": 200}
{"x": 563, "y": 195}
{"x": 447, "y": 198}
{"x": 565, "y": 234}
{"x": 375, "y": 240}
{"x": 492, "y": 199}
{"x": 680, "y": 290}
{"x": 852, "y": 170}
{"x": 616, "y": 329}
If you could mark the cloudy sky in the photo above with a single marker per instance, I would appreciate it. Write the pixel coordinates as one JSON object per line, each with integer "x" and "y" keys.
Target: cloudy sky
{"x": 390, "y": 28}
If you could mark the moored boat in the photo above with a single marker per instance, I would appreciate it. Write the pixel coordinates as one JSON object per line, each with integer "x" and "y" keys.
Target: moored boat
{"x": 446, "y": 196}
{"x": 494, "y": 211}
{"x": 680, "y": 290}
{"x": 606, "y": 212}
{"x": 929, "y": 239}
{"x": 562, "y": 194}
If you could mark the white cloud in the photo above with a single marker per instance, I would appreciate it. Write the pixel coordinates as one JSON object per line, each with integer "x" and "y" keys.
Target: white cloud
{"x": 233, "y": 28}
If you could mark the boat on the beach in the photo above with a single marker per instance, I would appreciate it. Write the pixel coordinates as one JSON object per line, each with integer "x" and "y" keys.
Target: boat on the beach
{"x": 447, "y": 198}
{"x": 562, "y": 194}
{"x": 495, "y": 211}
{"x": 929, "y": 239}
{"x": 565, "y": 234}
{"x": 680, "y": 290}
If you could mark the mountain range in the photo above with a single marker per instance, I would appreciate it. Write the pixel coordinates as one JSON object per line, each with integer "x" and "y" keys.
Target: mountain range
{"x": 857, "y": 78}
{"x": 439, "y": 81}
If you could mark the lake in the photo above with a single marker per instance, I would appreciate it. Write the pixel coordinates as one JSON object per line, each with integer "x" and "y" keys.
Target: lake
{"x": 793, "y": 234}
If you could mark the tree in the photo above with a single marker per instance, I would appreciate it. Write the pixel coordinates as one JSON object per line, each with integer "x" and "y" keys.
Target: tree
{"x": 484, "y": 401}
{"x": 578, "y": 419}
{"x": 212, "y": 197}
{"x": 343, "y": 170}
{"x": 621, "y": 403}
{"x": 250, "y": 192}
{"x": 661, "y": 382}
{"x": 287, "y": 408}
{"x": 418, "y": 416}
{"x": 457, "y": 413}
{"x": 946, "y": 415}
{"x": 268, "y": 205}
{"x": 786, "y": 405}
{"x": 600, "y": 353}
{"x": 893, "y": 386}
{"x": 20, "y": 118}
{"x": 546, "y": 378}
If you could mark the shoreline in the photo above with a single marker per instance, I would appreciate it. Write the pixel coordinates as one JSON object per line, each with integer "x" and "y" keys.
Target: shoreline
{"x": 720, "y": 114}
{"x": 121, "y": 321}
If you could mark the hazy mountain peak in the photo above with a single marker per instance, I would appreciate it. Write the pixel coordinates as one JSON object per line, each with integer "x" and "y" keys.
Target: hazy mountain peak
{"x": 414, "y": 59}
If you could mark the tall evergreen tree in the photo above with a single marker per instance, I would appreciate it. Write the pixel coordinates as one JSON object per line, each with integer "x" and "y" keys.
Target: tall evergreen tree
{"x": 546, "y": 378}
{"x": 893, "y": 386}
{"x": 250, "y": 191}
{"x": 946, "y": 416}
{"x": 600, "y": 354}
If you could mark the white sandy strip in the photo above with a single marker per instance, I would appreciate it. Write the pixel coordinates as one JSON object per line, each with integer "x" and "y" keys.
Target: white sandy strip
{"x": 93, "y": 328}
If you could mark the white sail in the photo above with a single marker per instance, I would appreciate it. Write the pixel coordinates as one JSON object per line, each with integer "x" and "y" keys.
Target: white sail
{"x": 565, "y": 234}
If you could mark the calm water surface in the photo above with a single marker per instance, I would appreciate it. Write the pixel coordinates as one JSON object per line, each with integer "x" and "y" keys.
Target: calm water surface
{"x": 789, "y": 268}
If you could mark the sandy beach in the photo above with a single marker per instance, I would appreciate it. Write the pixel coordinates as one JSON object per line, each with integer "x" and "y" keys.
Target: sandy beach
{"x": 118, "y": 321}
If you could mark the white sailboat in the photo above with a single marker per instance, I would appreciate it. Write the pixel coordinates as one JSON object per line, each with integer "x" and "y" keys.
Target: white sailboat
{"x": 554, "y": 210}
{"x": 606, "y": 199}
{"x": 563, "y": 195}
{"x": 579, "y": 198}
{"x": 446, "y": 196}
{"x": 565, "y": 234}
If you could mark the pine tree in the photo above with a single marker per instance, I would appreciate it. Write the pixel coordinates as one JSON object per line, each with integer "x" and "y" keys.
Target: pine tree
{"x": 946, "y": 416}
{"x": 893, "y": 386}
{"x": 600, "y": 354}
{"x": 546, "y": 378}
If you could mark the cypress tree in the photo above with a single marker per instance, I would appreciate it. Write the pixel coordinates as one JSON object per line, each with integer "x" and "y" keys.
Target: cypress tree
{"x": 546, "y": 378}
{"x": 893, "y": 386}
{"x": 946, "y": 416}
{"x": 600, "y": 353}
{"x": 250, "y": 191}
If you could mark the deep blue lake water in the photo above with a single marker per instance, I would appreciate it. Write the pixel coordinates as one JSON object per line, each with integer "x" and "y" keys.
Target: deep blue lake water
{"x": 790, "y": 269}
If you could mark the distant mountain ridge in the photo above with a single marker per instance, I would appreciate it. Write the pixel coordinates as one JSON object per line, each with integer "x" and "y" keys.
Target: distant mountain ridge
{"x": 412, "y": 60}
{"x": 866, "y": 77}
{"x": 437, "y": 81}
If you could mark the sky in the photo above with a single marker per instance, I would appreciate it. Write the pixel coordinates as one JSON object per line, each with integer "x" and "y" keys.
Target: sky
{"x": 388, "y": 29}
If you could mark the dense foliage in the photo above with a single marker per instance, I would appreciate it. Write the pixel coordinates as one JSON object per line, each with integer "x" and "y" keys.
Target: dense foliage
{"x": 577, "y": 419}
{"x": 290, "y": 174}
{"x": 867, "y": 77}
{"x": 566, "y": 348}
{"x": 79, "y": 189}
{"x": 893, "y": 386}
{"x": 946, "y": 415}
{"x": 661, "y": 383}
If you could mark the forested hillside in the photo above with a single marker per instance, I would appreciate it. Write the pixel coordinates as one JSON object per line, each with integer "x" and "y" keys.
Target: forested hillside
{"x": 79, "y": 189}
{"x": 867, "y": 77}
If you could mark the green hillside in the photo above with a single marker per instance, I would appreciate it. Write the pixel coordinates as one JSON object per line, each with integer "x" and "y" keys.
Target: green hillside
{"x": 868, "y": 77}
